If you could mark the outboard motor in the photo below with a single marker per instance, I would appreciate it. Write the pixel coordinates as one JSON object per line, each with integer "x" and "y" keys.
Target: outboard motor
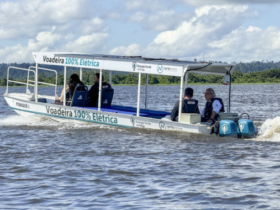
{"x": 246, "y": 127}
{"x": 228, "y": 128}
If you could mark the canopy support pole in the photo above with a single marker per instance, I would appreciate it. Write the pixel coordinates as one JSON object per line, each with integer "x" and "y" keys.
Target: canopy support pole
{"x": 81, "y": 74}
{"x": 100, "y": 90}
{"x": 229, "y": 70}
{"x": 36, "y": 83}
{"x": 110, "y": 78}
{"x": 186, "y": 80}
{"x": 146, "y": 92}
{"x": 138, "y": 95}
{"x": 27, "y": 82}
{"x": 7, "y": 90}
{"x": 64, "y": 87}
{"x": 229, "y": 91}
{"x": 181, "y": 92}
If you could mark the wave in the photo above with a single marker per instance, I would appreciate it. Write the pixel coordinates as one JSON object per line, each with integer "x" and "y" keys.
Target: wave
{"x": 270, "y": 130}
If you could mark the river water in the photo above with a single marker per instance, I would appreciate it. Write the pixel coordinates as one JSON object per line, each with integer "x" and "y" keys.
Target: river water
{"x": 46, "y": 164}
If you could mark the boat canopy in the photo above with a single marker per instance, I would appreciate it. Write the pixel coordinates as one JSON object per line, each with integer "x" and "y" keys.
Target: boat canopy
{"x": 133, "y": 64}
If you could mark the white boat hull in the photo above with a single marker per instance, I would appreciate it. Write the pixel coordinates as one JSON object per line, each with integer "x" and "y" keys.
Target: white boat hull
{"x": 27, "y": 108}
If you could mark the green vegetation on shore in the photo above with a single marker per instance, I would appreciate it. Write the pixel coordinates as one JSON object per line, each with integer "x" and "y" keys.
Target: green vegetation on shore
{"x": 266, "y": 76}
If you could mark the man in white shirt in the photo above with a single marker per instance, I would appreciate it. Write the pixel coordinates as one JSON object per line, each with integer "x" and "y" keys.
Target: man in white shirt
{"x": 212, "y": 108}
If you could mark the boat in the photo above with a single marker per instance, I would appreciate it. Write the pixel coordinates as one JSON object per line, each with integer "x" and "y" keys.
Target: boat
{"x": 26, "y": 104}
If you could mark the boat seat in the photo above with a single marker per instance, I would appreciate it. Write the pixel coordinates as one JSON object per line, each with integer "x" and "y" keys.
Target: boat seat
{"x": 227, "y": 116}
{"x": 106, "y": 97}
{"x": 190, "y": 118}
{"x": 150, "y": 113}
{"x": 41, "y": 100}
{"x": 80, "y": 95}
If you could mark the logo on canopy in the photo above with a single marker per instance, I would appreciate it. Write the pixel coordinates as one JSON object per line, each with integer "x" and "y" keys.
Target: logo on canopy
{"x": 224, "y": 128}
{"x": 159, "y": 69}
{"x": 133, "y": 66}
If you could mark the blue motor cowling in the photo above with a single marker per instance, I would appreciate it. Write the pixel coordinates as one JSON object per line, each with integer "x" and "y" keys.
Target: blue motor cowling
{"x": 246, "y": 127}
{"x": 228, "y": 128}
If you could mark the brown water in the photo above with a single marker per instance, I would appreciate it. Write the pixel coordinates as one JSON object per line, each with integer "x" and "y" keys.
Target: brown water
{"x": 46, "y": 164}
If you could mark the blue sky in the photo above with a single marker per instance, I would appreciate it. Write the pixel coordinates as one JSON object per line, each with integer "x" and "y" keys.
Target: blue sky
{"x": 221, "y": 30}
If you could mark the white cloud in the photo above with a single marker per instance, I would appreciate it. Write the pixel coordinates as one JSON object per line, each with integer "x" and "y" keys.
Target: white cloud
{"x": 155, "y": 5}
{"x": 44, "y": 41}
{"x": 30, "y": 12}
{"x": 216, "y": 32}
{"x": 137, "y": 17}
{"x": 49, "y": 25}
{"x": 93, "y": 25}
{"x": 160, "y": 21}
{"x": 193, "y": 37}
{"x": 24, "y": 19}
{"x": 93, "y": 43}
{"x": 206, "y": 10}
{"x": 226, "y": 2}
{"x": 15, "y": 54}
{"x": 112, "y": 15}
{"x": 51, "y": 41}
{"x": 133, "y": 49}
{"x": 248, "y": 44}
{"x": 157, "y": 15}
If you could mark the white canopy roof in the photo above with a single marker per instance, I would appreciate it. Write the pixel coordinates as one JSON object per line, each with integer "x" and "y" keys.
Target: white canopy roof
{"x": 133, "y": 64}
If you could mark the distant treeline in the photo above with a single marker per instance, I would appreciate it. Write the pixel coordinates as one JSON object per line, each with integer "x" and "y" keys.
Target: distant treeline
{"x": 267, "y": 76}
{"x": 253, "y": 72}
{"x": 257, "y": 66}
{"x": 253, "y": 66}
{"x": 19, "y": 74}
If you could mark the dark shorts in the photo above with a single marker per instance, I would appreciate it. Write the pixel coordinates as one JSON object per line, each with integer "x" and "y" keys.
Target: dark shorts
{"x": 203, "y": 119}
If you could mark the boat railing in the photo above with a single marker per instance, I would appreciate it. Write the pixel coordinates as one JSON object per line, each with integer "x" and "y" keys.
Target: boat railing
{"x": 42, "y": 83}
{"x": 13, "y": 81}
{"x": 27, "y": 83}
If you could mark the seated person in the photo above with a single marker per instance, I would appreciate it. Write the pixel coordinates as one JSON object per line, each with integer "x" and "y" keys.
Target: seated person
{"x": 189, "y": 105}
{"x": 74, "y": 80}
{"x": 70, "y": 93}
{"x": 94, "y": 90}
{"x": 212, "y": 108}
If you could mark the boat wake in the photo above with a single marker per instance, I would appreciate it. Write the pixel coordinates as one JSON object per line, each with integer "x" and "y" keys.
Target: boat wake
{"x": 270, "y": 130}
{"x": 47, "y": 123}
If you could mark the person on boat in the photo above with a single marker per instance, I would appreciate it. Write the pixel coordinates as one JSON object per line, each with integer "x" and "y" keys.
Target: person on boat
{"x": 212, "y": 108}
{"x": 73, "y": 82}
{"x": 94, "y": 90}
{"x": 189, "y": 105}
{"x": 70, "y": 93}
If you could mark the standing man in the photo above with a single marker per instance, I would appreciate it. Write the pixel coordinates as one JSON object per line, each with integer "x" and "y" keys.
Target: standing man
{"x": 94, "y": 90}
{"x": 189, "y": 105}
{"x": 212, "y": 108}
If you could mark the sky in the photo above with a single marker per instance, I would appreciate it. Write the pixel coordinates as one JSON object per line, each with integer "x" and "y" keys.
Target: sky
{"x": 216, "y": 30}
